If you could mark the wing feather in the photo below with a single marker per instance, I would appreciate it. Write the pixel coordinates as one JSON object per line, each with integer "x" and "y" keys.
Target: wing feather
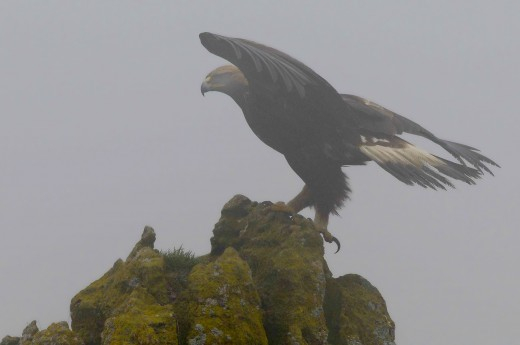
{"x": 375, "y": 118}
{"x": 290, "y": 94}
{"x": 254, "y": 59}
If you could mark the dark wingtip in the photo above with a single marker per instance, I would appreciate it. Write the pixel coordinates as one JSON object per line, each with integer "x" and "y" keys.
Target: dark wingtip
{"x": 210, "y": 41}
{"x": 205, "y": 37}
{"x": 335, "y": 240}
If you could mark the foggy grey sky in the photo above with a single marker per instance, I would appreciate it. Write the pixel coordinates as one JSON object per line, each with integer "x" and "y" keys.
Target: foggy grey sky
{"x": 103, "y": 131}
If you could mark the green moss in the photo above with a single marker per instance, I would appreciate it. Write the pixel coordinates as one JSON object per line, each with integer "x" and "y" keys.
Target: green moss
{"x": 222, "y": 303}
{"x": 56, "y": 334}
{"x": 140, "y": 320}
{"x": 356, "y": 313}
{"x": 8, "y": 340}
{"x": 265, "y": 281}
{"x": 144, "y": 268}
{"x": 285, "y": 254}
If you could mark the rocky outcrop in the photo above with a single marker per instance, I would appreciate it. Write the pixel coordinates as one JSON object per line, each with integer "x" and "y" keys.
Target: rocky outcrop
{"x": 28, "y": 333}
{"x": 8, "y": 340}
{"x": 285, "y": 254}
{"x": 223, "y": 303}
{"x": 357, "y": 313}
{"x": 56, "y": 334}
{"x": 140, "y": 320}
{"x": 130, "y": 303}
{"x": 264, "y": 282}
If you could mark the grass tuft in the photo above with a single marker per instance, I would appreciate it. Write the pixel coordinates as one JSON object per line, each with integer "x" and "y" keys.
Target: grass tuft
{"x": 179, "y": 259}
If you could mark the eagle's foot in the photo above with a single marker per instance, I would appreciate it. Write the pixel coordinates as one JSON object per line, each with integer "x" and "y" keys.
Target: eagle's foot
{"x": 321, "y": 222}
{"x": 283, "y": 208}
{"x": 327, "y": 236}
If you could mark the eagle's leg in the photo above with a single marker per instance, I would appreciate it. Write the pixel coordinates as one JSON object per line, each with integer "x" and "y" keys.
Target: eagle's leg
{"x": 321, "y": 221}
{"x": 298, "y": 203}
{"x": 301, "y": 201}
{"x": 326, "y": 186}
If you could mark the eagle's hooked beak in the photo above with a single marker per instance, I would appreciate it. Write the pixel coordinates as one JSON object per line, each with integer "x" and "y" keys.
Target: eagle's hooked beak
{"x": 205, "y": 87}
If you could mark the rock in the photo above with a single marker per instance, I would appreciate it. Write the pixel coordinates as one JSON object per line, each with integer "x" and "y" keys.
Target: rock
{"x": 265, "y": 281}
{"x": 356, "y": 313}
{"x": 285, "y": 254}
{"x": 104, "y": 298}
{"x": 238, "y": 206}
{"x": 227, "y": 230}
{"x": 28, "y": 333}
{"x": 141, "y": 320}
{"x": 147, "y": 241}
{"x": 8, "y": 340}
{"x": 57, "y": 334}
{"x": 223, "y": 303}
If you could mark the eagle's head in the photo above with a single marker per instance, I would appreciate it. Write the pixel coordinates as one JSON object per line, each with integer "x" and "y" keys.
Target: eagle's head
{"x": 227, "y": 79}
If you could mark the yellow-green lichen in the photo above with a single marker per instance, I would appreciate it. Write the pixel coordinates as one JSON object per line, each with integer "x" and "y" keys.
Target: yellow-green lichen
{"x": 356, "y": 313}
{"x": 8, "y": 340}
{"x": 285, "y": 254}
{"x": 265, "y": 281}
{"x": 56, "y": 334}
{"x": 140, "y": 320}
{"x": 144, "y": 268}
{"x": 223, "y": 304}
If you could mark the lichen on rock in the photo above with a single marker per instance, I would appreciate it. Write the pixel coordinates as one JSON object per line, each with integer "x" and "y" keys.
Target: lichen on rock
{"x": 141, "y": 320}
{"x": 223, "y": 303}
{"x": 356, "y": 313}
{"x": 28, "y": 333}
{"x": 57, "y": 334}
{"x": 265, "y": 281}
{"x": 285, "y": 254}
{"x": 8, "y": 340}
{"x": 103, "y": 299}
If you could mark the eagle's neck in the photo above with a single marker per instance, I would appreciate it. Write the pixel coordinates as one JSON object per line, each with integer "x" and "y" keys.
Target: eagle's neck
{"x": 240, "y": 96}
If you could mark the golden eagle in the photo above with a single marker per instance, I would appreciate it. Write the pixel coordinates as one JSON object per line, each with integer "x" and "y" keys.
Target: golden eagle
{"x": 299, "y": 114}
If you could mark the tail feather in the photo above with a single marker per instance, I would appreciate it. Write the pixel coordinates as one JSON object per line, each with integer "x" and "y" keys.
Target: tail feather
{"x": 463, "y": 153}
{"x": 469, "y": 154}
{"x": 413, "y": 165}
{"x": 459, "y": 171}
{"x": 375, "y": 118}
{"x": 422, "y": 176}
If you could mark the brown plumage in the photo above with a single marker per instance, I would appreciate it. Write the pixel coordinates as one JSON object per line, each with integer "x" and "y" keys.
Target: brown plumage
{"x": 299, "y": 114}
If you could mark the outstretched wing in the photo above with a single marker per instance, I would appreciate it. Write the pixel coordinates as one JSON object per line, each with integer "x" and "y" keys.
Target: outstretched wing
{"x": 374, "y": 118}
{"x": 279, "y": 80}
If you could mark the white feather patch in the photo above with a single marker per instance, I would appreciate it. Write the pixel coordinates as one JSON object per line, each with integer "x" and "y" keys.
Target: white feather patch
{"x": 373, "y": 140}
{"x": 408, "y": 155}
